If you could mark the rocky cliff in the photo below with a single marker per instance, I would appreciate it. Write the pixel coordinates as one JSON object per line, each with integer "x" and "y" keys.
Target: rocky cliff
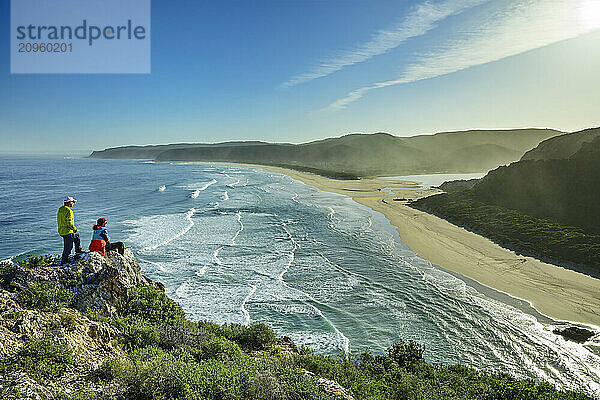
{"x": 98, "y": 282}
{"x": 76, "y": 331}
{"x": 43, "y": 306}
{"x": 98, "y": 329}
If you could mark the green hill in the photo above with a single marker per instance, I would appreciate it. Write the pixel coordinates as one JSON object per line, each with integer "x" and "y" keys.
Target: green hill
{"x": 565, "y": 191}
{"x": 356, "y": 154}
{"x": 362, "y": 154}
{"x": 545, "y": 205}
{"x": 563, "y": 147}
{"x": 150, "y": 152}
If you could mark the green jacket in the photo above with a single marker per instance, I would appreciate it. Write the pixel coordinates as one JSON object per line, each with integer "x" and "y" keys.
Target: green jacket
{"x": 66, "y": 221}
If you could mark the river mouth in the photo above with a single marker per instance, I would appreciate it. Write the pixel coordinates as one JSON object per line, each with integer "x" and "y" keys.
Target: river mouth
{"x": 428, "y": 181}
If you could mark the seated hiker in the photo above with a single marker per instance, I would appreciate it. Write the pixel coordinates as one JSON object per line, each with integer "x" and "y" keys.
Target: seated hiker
{"x": 101, "y": 241}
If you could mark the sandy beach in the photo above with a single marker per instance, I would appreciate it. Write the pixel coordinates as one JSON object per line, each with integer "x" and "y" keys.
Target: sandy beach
{"x": 556, "y": 292}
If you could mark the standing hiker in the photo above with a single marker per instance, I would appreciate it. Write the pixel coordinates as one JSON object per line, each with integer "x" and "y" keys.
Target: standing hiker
{"x": 66, "y": 228}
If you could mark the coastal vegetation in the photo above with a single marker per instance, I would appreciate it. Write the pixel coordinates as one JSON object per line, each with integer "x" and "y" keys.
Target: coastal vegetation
{"x": 160, "y": 354}
{"x": 458, "y": 185}
{"x": 563, "y": 147}
{"x": 562, "y": 190}
{"x": 541, "y": 206}
{"x": 528, "y": 235}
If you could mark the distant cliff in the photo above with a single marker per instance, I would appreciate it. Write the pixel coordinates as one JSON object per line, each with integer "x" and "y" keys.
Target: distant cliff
{"x": 361, "y": 154}
{"x": 563, "y": 147}
{"x": 559, "y": 180}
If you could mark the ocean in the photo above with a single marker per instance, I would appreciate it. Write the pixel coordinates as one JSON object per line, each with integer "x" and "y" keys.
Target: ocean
{"x": 236, "y": 244}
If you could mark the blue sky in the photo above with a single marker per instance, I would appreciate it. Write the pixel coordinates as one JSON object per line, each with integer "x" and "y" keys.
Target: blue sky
{"x": 293, "y": 71}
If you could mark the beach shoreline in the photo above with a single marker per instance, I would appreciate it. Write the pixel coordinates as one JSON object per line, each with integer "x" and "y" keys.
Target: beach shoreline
{"x": 561, "y": 294}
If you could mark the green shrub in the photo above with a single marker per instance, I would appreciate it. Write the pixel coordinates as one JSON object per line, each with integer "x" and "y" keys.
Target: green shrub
{"x": 256, "y": 336}
{"x": 45, "y": 296}
{"x": 174, "y": 336}
{"x": 148, "y": 303}
{"x": 406, "y": 354}
{"x": 212, "y": 328}
{"x": 382, "y": 377}
{"x": 218, "y": 369}
{"x": 67, "y": 319}
{"x": 96, "y": 315}
{"x": 139, "y": 333}
{"x": 153, "y": 373}
{"x": 39, "y": 359}
{"x": 34, "y": 262}
{"x": 512, "y": 389}
{"x": 6, "y": 267}
{"x": 219, "y": 348}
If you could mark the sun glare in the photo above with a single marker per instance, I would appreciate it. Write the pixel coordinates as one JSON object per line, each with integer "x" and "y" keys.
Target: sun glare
{"x": 589, "y": 14}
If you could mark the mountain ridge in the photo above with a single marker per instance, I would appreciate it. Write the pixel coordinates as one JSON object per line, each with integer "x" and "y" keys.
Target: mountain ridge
{"x": 562, "y": 148}
{"x": 361, "y": 154}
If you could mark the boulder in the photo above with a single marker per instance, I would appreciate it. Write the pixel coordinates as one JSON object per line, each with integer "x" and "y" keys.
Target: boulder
{"x": 575, "y": 333}
{"x": 330, "y": 386}
{"x": 105, "y": 282}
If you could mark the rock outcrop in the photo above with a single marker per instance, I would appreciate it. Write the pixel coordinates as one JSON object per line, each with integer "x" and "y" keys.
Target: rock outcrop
{"x": 34, "y": 333}
{"x": 575, "y": 333}
{"x": 89, "y": 341}
{"x": 98, "y": 282}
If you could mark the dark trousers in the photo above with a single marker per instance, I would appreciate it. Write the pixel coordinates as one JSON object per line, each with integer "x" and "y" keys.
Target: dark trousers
{"x": 70, "y": 240}
{"x": 119, "y": 246}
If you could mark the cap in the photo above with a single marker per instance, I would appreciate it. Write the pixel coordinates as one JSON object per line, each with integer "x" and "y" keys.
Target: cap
{"x": 69, "y": 199}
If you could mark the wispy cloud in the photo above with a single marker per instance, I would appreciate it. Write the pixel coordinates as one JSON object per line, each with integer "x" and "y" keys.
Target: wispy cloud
{"x": 509, "y": 28}
{"x": 419, "y": 21}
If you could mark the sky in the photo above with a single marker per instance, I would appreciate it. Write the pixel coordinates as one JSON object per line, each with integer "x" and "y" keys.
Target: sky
{"x": 295, "y": 71}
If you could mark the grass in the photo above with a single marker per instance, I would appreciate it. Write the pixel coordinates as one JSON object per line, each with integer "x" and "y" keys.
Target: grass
{"x": 45, "y": 296}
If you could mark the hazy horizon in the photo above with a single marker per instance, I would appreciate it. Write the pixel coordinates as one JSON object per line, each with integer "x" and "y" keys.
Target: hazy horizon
{"x": 86, "y": 152}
